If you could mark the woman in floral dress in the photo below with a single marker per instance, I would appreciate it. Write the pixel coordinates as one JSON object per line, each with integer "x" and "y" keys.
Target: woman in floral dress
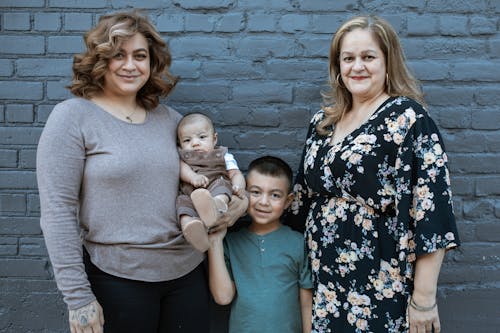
{"x": 373, "y": 191}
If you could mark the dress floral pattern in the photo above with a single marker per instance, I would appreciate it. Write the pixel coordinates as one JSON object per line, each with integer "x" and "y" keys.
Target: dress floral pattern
{"x": 371, "y": 204}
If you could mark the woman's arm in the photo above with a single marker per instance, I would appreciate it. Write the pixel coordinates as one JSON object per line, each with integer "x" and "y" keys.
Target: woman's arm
{"x": 422, "y": 310}
{"x": 305, "y": 296}
{"x": 221, "y": 285}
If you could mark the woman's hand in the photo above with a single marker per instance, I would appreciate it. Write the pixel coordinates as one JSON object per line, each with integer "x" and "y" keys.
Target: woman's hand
{"x": 423, "y": 320}
{"x": 87, "y": 319}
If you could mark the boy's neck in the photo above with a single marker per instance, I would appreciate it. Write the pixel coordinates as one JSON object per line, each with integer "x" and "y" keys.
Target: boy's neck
{"x": 263, "y": 229}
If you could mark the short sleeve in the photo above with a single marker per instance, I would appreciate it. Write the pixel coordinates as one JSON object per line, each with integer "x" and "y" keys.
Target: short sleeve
{"x": 424, "y": 210}
{"x": 230, "y": 161}
{"x": 305, "y": 274}
{"x": 296, "y": 214}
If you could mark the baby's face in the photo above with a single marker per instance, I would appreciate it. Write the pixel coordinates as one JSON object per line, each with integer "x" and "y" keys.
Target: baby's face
{"x": 197, "y": 135}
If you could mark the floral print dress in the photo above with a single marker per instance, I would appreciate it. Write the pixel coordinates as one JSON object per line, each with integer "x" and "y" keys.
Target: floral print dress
{"x": 371, "y": 204}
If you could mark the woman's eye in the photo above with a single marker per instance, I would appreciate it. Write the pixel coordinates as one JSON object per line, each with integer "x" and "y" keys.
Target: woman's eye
{"x": 347, "y": 59}
{"x": 141, "y": 56}
{"x": 118, "y": 56}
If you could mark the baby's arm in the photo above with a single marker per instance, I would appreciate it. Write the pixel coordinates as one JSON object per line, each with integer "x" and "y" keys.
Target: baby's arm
{"x": 305, "y": 296}
{"x": 189, "y": 176}
{"x": 219, "y": 281}
{"x": 238, "y": 182}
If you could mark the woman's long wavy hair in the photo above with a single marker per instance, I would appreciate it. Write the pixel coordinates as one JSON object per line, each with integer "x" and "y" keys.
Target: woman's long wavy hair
{"x": 400, "y": 81}
{"x": 105, "y": 40}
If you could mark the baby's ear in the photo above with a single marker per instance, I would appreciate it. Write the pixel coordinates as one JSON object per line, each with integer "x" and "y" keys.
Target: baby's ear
{"x": 215, "y": 138}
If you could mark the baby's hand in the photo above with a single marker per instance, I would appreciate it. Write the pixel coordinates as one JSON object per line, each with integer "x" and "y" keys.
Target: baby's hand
{"x": 200, "y": 181}
{"x": 239, "y": 191}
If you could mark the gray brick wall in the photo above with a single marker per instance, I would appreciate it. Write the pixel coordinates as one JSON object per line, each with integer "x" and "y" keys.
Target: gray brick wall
{"x": 257, "y": 66}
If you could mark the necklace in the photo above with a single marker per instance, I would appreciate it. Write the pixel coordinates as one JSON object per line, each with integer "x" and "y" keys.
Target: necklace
{"x": 129, "y": 117}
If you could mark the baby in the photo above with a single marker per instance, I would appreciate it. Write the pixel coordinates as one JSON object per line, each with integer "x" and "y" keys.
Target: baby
{"x": 209, "y": 176}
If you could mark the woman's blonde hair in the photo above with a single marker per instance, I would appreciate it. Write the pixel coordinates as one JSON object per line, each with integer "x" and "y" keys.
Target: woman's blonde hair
{"x": 104, "y": 41}
{"x": 400, "y": 81}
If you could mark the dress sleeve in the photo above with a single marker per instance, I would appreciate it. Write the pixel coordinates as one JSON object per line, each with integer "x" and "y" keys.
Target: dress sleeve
{"x": 296, "y": 215}
{"x": 424, "y": 212}
{"x": 60, "y": 163}
{"x": 305, "y": 274}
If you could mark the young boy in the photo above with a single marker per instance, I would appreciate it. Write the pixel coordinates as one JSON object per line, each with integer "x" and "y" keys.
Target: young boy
{"x": 209, "y": 176}
{"x": 263, "y": 269}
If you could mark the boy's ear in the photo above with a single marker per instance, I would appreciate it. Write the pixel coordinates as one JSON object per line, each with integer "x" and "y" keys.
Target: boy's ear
{"x": 289, "y": 199}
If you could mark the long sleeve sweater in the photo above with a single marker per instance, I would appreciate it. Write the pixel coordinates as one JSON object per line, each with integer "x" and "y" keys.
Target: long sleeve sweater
{"x": 110, "y": 186}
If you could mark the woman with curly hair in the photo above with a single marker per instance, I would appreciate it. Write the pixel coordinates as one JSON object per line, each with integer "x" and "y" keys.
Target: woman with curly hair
{"x": 108, "y": 176}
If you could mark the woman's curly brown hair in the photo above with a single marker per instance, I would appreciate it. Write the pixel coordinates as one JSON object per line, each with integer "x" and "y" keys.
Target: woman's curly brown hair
{"x": 104, "y": 41}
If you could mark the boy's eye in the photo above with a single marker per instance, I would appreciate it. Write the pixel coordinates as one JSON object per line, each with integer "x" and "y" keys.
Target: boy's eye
{"x": 276, "y": 196}
{"x": 254, "y": 193}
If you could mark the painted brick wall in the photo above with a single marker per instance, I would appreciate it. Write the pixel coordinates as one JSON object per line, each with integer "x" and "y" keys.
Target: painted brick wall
{"x": 257, "y": 66}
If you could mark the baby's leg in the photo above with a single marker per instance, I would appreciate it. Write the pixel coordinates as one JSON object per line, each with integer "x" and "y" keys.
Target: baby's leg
{"x": 209, "y": 208}
{"x": 195, "y": 232}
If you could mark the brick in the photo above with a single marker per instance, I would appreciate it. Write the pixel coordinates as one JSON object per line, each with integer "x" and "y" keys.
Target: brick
{"x": 170, "y": 23}
{"x": 312, "y": 46}
{"x": 77, "y": 21}
{"x": 65, "y": 44}
{"x": 296, "y": 70}
{"x": 10, "y": 44}
{"x": 488, "y": 232}
{"x": 56, "y": 90}
{"x": 43, "y": 112}
{"x": 483, "y": 26}
{"x": 230, "y": 23}
{"x": 18, "y": 179}
{"x": 477, "y": 209}
{"x": 263, "y": 92}
{"x": 310, "y": 94}
{"x": 234, "y": 68}
{"x": 268, "y": 4}
{"x": 465, "y": 141}
{"x": 20, "y": 226}
{"x": 186, "y": 69}
{"x": 200, "y": 22}
{"x": 487, "y": 96}
{"x": 21, "y": 90}
{"x": 438, "y": 48}
{"x": 462, "y": 185}
{"x": 24, "y": 268}
{"x": 423, "y": 25}
{"x": 19, "y": 113}
{"x": 261, "y": 22}
{"x": 44, "y": 67}
{"x": 8, "y": 158}
{"x": 6, "y": 67}
{"x": 265, "y": 47}
{"x": 488, "y": 186}
{"x": 27, "y": 158}
{"x": 452, "y": 25}
{"x": 326, "y": 6}
{"x": 31, "y": 246}
{"x": 19, "y": 21}
{"x": 8, "y": 246}
{"x": 12, "y": 203}
{"x": 492, "y": 141}
{"x": 453, "y": 118}
{"x": 150, "y": 4}
{"x": 485, "y": 119}
{"x": 199, "y": 47}
{"x": 33, "y": 204}
{"x": 494, "y": 46}
{"x": 474, "y": 163}
{"x": 476, "y": 71}
{"x": 430, "y": 70}
{"x": 453, "y": 6}
{"x": 195, "y": 93}
{"x": 20, "y": 135}
{"x": 269, "y": 139}
{"x": 441, "y": 96}
{"x": 206, "y": 4}
{"x": 292, "y": 23}
{"x": 326, "y": 23}
{"x": 475, "y": 253}
{"x": 22, "y": 3}
{"x": 77, "y": 3}
{"x": 47, "y": 21}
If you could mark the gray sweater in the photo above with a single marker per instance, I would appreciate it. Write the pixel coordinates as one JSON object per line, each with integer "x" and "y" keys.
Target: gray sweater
{"x": 110, "y": 185}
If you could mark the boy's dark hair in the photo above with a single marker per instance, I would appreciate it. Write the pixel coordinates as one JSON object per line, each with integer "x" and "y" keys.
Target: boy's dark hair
{"x": 272, "y": 166}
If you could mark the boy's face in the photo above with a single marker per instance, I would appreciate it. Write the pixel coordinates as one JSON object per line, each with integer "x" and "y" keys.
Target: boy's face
{"x": 197, "y": 135}
{"x": 268, "y": 196}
